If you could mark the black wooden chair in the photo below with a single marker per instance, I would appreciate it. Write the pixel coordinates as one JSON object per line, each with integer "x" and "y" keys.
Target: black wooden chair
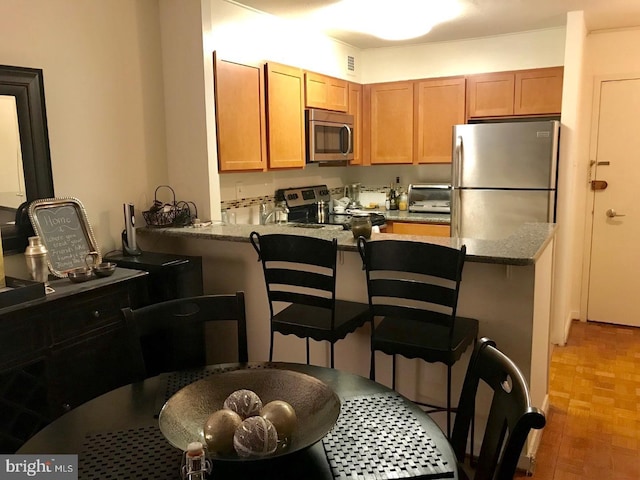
{"x": 301, "y": 271}
{"x": 170, "y": 335}
{"x": 413, "y": 290}
{"x": 511, "y": 416}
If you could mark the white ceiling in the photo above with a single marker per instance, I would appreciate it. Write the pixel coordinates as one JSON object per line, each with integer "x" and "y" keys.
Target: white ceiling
{"x": 481, "y": 18}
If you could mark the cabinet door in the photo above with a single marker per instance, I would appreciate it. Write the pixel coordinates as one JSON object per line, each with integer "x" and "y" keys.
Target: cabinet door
{"x": 391, "y": 122}
{"x": 285, "y": 116}
{"x": 440, "y": 104}
{"x": 325, "y": 92}
{"x": 538, "y": 91}
{"x": 491, "y": 94}
{"x": 355, "y": 109}
{"x": 427, "y": 229}
{"x": 240, "y": 116}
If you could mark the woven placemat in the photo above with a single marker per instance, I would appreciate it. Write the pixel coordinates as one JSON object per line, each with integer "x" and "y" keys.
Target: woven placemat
{"x": 378, "y": 436}
{"x": 139, "y": 453}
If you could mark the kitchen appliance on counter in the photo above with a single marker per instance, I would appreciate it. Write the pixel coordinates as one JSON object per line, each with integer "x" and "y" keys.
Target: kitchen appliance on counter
{"x": 503, "y": 175}
{"x": 308, "y": 206}
{"x": 352, "y": 191}
{"x": 329, "y": 136}
{"x": 430, "y": 198}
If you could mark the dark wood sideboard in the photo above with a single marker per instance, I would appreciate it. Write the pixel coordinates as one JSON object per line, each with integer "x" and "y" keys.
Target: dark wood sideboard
{"x": 59, "y": 351}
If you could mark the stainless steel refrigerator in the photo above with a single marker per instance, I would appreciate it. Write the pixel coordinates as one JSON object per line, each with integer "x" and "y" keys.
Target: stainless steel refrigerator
{"x": 503, "y": 175}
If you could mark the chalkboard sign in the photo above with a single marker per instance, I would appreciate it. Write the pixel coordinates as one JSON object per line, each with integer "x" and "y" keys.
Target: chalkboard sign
{"x": 62, "y": 225}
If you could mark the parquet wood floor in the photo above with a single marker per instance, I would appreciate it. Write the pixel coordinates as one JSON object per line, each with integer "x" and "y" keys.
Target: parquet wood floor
{"x": 593, "y": 423}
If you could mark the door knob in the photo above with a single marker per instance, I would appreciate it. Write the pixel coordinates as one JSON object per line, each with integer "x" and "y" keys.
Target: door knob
{"x": 612, "y": 213}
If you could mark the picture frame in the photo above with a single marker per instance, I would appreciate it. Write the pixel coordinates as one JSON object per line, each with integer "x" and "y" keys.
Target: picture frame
{"x": 63, "y": 227}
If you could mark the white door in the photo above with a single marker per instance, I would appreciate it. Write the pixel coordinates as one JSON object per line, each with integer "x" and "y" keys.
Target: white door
{"x": 614, "y": 295}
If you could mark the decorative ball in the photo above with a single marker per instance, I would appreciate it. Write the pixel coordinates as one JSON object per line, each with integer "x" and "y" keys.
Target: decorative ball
{"x": 282, "y": 415}
{"x": 244, "y": 402}
{"x": 255, "y": 437}
{"x": 219, "y": 430}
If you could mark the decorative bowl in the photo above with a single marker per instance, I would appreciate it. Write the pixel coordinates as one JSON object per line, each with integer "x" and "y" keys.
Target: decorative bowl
{"x": 316, "y": 405}
{"x": 80, "y": 274}
{"x": 104, "y": 269}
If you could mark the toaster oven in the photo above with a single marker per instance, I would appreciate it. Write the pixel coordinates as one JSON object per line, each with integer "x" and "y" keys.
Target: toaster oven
{"x": 430, "y": 198}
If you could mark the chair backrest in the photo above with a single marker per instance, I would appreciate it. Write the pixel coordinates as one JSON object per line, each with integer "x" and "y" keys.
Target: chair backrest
{"x": 170, "y": 335}
{"x": 414, "y": 280}
{"x": 298, "y": 269}
{"x": 511, "y": 416}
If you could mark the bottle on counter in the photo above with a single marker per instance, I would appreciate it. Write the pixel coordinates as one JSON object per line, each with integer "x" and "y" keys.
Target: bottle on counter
{"x": 403, "y": 200}
{"x": 393, "y": 198}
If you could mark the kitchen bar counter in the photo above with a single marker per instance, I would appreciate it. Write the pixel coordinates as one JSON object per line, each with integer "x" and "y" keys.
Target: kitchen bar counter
{"x": 524, "y": 247}
{"x": 506, "y": 285}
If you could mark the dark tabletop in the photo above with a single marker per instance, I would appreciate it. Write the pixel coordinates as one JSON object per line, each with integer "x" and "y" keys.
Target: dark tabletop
{"x": 116, "y": 435}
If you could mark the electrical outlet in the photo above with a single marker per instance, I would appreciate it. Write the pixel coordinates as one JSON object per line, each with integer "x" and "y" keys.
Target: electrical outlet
{"x": 239, "y": 191}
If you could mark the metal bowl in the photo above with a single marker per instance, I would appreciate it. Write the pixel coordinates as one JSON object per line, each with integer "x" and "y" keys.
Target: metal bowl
{"x": 80, "y": 274}
{"x": 105, "y": 269}
{"x": 317, "y": 407}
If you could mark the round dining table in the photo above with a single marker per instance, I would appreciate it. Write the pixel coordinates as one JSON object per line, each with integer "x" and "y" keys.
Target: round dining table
{"x": 117, "y": 435}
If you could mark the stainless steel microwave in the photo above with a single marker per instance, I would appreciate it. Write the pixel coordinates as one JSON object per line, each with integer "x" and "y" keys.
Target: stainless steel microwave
{"x": 329, "y": 136}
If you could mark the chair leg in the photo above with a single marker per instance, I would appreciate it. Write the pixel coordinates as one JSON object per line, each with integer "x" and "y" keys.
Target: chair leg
{"x": 307, "y": 340}
{"x": 332, "y": 355}
{"x": 448, "y": 401}
{"x": 372, "y": 365}
{"x": 393, "y": 372}
{"x": 271, "y": 348}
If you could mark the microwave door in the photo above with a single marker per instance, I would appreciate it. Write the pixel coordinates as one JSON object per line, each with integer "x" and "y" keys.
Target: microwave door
{"x": 330, "y": 141}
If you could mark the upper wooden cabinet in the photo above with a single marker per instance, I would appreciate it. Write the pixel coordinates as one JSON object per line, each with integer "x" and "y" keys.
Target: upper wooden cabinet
{"x": 388, "y": 111}
{"x": 285, "y": 116}
{"x": 525, "y": 92}
{"x": 538, "y": 91}
{"x": 326, "y": 92}
{"x": 439, "y": 105}
{"x": 355, "y": 109}
{"x": 240, "y": 116}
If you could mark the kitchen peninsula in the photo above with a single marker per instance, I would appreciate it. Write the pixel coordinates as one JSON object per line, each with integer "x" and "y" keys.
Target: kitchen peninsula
{"x": 506, "y": 285}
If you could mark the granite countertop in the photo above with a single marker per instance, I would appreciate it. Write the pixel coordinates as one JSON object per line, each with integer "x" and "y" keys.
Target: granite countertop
{"x": 523, "y": 247}
{"x": 414, "y": 217}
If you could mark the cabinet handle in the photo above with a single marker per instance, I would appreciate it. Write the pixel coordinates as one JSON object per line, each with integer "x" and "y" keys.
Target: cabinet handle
{"x": 96, "y": 314}
{"x": 66, "y": 407}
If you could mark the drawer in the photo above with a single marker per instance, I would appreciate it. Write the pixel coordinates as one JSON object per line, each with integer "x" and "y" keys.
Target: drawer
{"x": 92, "y": 312}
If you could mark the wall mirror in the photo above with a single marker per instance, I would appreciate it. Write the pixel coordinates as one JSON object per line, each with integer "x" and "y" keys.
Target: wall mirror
{"x": 25, "y": 159}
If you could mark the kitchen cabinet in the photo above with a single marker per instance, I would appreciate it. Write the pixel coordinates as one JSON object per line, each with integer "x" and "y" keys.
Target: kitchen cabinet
{"x": 355, "y": 109}
{"x": 240, "y": 116}
{"x": 524, "y": 92}
{"x": 285, "y": 116}
{"x": 413, "y": 228}
{"x": 326, "y": 92}
{"x": 62, "y": 350}
{"x": 439, "y": 105}
{"x": 388, "y": 113}
{"x": 538, "y": 91}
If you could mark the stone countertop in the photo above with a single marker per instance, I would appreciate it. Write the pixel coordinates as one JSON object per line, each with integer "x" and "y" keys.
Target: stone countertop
{"x": 414, "y": 217}
{"x": 523, "y": 247}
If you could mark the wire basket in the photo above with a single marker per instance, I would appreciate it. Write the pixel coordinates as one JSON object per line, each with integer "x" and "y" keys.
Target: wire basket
{"x": 165, "y": 215}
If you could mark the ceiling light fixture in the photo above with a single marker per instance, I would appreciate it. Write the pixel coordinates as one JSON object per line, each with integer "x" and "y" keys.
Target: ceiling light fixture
{"x": 391, "y": 19}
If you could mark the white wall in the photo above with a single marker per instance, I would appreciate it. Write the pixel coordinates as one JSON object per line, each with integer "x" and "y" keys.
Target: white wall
{"x": 569, "y": 241}
{"x": 103, "y": 90}
{"x": 535, "y": 49}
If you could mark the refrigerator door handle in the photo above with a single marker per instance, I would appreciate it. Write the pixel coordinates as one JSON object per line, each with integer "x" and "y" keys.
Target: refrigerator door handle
{"x": 456, "y": 216}
{"x": 457, "y": 162}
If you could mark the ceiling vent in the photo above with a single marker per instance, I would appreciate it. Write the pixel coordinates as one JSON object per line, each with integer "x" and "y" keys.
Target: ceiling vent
{"x": 351, "y": 63}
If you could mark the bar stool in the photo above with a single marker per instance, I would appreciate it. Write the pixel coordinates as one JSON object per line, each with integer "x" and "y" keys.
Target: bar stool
{"x": 301, "y": 271}
{"x": 413, "y": 289}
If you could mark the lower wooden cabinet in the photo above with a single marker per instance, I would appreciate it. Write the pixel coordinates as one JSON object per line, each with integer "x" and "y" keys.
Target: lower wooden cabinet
{"x": 63, "y": 350}
{"x": 413, "y": 228}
